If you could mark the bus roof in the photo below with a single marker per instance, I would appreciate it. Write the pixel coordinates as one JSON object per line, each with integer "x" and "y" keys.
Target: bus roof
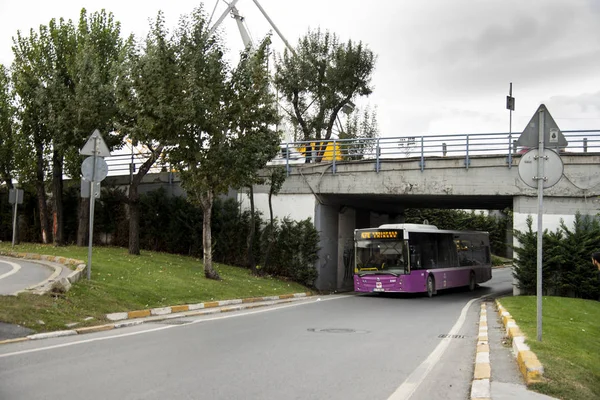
{"x": 422, "y": 228}
{"x": 410, "y": 227}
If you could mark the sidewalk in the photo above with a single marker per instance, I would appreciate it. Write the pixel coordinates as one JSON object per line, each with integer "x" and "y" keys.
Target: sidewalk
{"x": 497, "y": 372}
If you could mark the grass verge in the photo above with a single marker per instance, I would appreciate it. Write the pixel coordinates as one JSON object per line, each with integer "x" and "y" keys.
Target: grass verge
{"x": 570, "y": 346}
{"x": 122, "y": 282}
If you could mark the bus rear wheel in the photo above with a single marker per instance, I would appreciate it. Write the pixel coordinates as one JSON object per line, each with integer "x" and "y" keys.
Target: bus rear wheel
{"x": 472, "y": 282}
{"x": 430, "y": 286}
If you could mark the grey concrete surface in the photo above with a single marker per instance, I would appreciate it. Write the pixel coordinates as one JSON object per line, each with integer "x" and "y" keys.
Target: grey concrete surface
{"x": 350, "y": 347}
{"x": 507, "y": 383}
{"x": 30, "y": 274}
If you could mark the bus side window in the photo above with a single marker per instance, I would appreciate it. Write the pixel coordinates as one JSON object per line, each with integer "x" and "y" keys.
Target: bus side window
{"x": 415, "y": 257}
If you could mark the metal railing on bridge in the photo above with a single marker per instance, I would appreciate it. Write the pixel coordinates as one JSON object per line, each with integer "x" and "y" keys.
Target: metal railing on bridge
{"x": 378, "y": 150}
{"x": 421, "y": 148}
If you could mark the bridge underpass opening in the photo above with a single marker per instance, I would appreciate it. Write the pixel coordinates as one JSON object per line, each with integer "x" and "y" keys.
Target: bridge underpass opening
{"x": 338, "y": 215}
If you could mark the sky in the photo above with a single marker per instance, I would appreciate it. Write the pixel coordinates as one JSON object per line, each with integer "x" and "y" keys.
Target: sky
{"x": 443, "y": 66}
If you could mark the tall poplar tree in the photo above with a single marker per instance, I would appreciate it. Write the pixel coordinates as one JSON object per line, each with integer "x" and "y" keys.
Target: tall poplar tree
{"x": 148, "y": 95}
{"x": 7, "y": 118}
{"x": 227, "y": 116}
{"x": 322, "y": 78}
{"x": 33, "y": 136}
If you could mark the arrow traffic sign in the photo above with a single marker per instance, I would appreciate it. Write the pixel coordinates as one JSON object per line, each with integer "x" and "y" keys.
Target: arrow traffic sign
{"x": 95, "y": 145}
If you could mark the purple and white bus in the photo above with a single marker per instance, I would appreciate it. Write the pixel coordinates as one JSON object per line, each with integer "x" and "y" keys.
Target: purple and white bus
{"x": 413, "y": 258}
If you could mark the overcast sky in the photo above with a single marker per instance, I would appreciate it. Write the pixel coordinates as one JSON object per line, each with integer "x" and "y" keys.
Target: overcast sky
{"x": 443, "y": 66}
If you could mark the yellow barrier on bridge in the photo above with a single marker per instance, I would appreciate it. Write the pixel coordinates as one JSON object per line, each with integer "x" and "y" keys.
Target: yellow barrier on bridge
{"x": 323, "y": 150}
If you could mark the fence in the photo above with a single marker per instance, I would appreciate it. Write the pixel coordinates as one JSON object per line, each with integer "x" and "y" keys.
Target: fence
{"x": 376, "y": 150}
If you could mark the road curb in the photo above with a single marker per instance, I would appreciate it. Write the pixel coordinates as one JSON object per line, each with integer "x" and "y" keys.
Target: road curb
{"x": 529, "y": 365}
{"x": 481, "y": 388}
{"x": 198, "y": 306}
{"x": 144, "y": 316}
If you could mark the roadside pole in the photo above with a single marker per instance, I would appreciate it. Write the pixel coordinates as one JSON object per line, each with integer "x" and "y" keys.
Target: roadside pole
{"x": 541, "y": 167}
{"x": 14, "y": 235}
{"x": 92, "y": 203}
{"x": 94, "y": 169}
{"x": 540, "y": 232}
{"x": 15, "y": 197}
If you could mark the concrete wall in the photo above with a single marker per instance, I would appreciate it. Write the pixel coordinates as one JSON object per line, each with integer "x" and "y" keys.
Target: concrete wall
{"x": 326, "y": 223}
{"x": 345, "y": 250}
{"x": 296, "y": 207}
{"x": 555, "y": 210}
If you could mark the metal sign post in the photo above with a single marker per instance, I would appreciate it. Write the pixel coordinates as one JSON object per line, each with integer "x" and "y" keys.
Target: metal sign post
{"x": 540, "y": 188}
{"x": 510, "y": 105}
{"x": 14, "y": 236}
{"x": 94, "y": 169}
{"x": 92, "y": 203}
{"x": 541, "y": 132}
{"x": 15, "y": 196}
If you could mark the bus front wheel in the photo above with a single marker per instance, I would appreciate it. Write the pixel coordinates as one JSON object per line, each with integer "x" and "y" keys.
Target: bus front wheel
{"x": 430, "y": 286}
{"x": 472, "y": 283}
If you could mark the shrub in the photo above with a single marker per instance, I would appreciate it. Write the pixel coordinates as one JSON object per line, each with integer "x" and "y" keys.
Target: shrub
{"x": 566, "y": 267}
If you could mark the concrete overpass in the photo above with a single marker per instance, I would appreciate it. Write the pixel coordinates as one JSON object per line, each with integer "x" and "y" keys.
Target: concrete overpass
{"x": 365, "y": 183}
{"x": 360, "y": 195}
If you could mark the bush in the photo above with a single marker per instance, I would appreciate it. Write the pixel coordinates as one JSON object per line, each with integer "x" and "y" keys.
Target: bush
{"x": 566, "y": 267}
{"x": 295, "y": 252}
{"x": 174, "y": 225}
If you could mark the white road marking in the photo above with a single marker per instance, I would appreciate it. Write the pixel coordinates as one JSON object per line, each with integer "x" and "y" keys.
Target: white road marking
{"x": 57, "y": 346}
{"x": 14, "y": 270}
{"x": 414, "y": 380}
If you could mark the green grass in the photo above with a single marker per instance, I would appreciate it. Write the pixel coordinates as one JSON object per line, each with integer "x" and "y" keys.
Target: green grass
{"x": 121, "y": 282}
{"x": 570, "y": 346}
{"x": 497, "y": 260}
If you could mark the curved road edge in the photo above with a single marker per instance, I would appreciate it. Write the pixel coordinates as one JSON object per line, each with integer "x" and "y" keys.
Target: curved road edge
{"x": 132, "y": 318}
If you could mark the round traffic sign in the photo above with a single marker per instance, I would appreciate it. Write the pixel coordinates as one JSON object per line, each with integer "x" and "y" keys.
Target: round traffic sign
{"x": 553, "y": 168}
{"x": 87, "y": 169}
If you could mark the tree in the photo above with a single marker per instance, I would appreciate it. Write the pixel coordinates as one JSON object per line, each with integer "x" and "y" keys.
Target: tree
{"x": 99, "y": 49}
{"x": 204, "y": 151}
{"x": 224, "y": 120}
{"x": 255, "y": 112}
{"x": 7, "y": 142}
{"x": 149, "y": 89}
{"x": 72, "y": 76}
{"x": 276, "y": 179}
{"x": 322, "y": 77}
{"x": 358, "y": 132}
{"x": 33, "y": 136}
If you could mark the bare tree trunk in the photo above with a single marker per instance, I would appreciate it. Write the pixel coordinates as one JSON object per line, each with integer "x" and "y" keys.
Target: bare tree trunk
{"x": 134, "y": 220}
{"x": 270, "y": 235}
{"x": 41, "y": 195}
{"x": 206, "y": 199}
{"x": 134, "y": 200}
{"x": 84, "y": 221}
{"x": 57, "y": 189}
{"x": 250, "y": 242}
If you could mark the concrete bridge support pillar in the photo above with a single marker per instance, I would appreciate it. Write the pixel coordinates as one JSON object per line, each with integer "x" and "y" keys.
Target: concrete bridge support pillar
{"x": 326, "y": 223}
{"x": 345, "y": 259}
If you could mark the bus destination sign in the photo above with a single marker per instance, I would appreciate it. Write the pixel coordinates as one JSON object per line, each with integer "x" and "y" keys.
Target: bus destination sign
{"x": 377, "y": 234}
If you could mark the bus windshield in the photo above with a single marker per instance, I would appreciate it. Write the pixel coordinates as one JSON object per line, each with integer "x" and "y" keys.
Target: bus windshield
{"x": 380, "y": 257}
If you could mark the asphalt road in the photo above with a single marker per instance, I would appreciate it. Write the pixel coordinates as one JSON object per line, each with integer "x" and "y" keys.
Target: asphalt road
{"x": 335, "y": 347}
{"x": 18, "y": 274}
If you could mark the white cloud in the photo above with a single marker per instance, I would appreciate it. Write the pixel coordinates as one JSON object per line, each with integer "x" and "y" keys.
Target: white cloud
{"x": 443, "y": 66}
